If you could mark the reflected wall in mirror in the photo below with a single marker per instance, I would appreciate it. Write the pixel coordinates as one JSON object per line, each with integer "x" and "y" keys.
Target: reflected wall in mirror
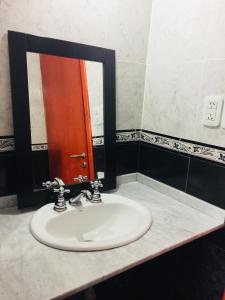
{"x": 66, "y": 117}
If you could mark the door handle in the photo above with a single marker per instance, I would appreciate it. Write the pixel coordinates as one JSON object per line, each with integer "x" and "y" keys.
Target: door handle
{"x": 82, "y": 155}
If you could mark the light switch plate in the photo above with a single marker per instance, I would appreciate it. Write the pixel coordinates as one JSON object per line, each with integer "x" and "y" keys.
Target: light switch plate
{"x": 212, "y": 110}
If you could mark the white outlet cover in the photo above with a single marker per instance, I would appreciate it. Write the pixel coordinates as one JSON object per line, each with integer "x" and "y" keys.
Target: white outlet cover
{"x": 212, "y": 110}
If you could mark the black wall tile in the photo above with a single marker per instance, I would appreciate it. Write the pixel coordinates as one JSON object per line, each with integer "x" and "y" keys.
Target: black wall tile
{"x": 126, "y": 154}
{"x": 99, "y": 158}
{"x": 40, "y": 168}
{"x": 7, "y": 174}
{"x": 206, "y": 181}
{"x": 163, "y": 165}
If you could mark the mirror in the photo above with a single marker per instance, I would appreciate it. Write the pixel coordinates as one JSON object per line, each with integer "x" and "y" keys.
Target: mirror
{"x": 66, "y": 117}
{"x": 63, "y": 100}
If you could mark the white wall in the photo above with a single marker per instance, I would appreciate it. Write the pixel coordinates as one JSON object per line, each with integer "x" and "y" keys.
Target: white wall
{"x": 185, "y": 63}
{"x": 94, "y": 72}
{"x": 36, "y": 101}
{"x": 120, "y": 25}
{"x": 185, "y": 57}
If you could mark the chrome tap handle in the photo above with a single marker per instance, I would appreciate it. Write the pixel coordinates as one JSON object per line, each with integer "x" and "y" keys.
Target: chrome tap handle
{"x": 56, "y": 182}
{"x": 59, "y": 181}
{"x": 58, "y": 187}
{"x": 96, "y": 197}
{"x": 47, "y": 184}
{"x": 60, "y": 204}
{"x": 81, "y": 178}
{"x": 61, "y": 190}
{"x": 96, "y": 184}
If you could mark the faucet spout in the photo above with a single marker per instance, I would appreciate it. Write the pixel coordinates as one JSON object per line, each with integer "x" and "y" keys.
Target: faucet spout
{"x": 76, "y": 201}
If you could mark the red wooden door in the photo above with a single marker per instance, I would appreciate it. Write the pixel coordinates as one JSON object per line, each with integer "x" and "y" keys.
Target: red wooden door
{"x": 67, "y": 117}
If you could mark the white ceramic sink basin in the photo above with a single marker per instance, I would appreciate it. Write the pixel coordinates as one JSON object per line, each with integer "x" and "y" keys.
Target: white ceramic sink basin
{"x": 115, "y": 222}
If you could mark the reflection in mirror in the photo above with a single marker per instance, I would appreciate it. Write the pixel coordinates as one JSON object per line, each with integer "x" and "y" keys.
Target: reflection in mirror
{"x": 66, "y": 116}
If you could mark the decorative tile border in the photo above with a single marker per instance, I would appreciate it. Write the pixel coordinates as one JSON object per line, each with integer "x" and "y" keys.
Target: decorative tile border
{"x": 7, "y": 144}
{"x": 98, "y": 140}
{"x": 195, "y": 149}
{"x": 127, "y": 136}
{"x": 39, "y": 147}
{"x": 210, "y": 153}
{"x": 157, "y": 140}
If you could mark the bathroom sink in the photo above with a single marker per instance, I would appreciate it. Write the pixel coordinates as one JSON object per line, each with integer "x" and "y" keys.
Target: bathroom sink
{"x": 115, "y": 222}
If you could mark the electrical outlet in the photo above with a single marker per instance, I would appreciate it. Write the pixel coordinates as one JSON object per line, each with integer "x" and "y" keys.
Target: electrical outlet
{"x": 211, "y": 116}
{"x": 212, "y": 111}
{"x": 212, "y": 104}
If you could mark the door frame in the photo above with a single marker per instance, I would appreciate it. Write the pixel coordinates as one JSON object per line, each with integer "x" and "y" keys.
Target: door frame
{"x": 20, "y": 43}
{"x": 87, "y": 117}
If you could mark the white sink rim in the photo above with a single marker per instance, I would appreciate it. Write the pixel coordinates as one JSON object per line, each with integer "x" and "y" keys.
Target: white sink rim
{"x": 46, "y": 213}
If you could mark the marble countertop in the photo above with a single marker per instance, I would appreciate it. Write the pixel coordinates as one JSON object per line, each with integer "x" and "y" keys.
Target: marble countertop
{"x": 30, "y": 270}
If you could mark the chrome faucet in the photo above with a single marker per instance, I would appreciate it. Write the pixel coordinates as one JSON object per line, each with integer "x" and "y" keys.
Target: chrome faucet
{"x": 76, "y": 201}
{"x": 94, "y": 197}
{"x": 58, "y": 187}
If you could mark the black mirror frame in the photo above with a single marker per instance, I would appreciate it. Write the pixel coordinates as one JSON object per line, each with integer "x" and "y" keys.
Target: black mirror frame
{"x": 20, "y": 43}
